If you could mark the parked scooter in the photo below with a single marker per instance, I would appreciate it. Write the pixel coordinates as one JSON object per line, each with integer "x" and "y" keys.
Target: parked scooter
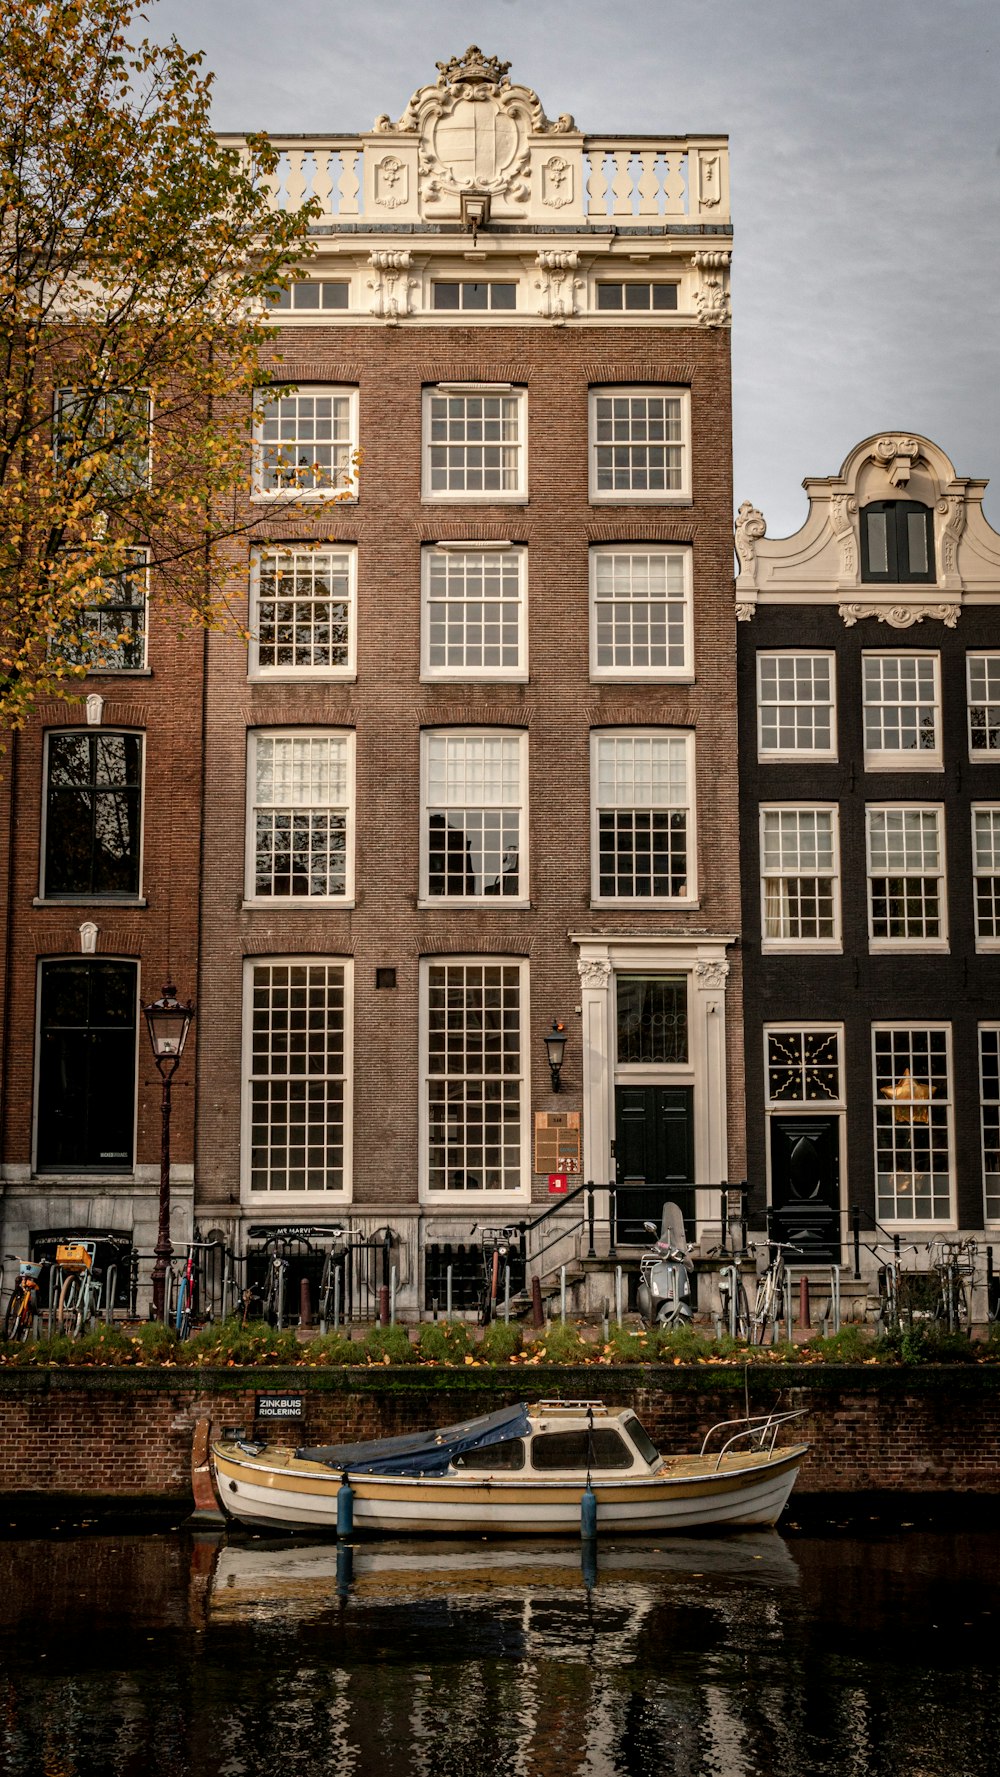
{"x": 664, "y": 1294}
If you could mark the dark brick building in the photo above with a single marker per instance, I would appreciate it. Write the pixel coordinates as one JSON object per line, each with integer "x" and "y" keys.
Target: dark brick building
{"x": 869, "y": 674}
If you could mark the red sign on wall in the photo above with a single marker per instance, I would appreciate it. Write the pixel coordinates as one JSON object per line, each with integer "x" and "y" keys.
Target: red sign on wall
{"x": 558, "y": 1184}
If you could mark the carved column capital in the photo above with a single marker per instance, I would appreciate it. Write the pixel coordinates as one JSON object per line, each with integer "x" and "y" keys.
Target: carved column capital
{"x": 711, "y": 975}
{"x": 594, "y": 972}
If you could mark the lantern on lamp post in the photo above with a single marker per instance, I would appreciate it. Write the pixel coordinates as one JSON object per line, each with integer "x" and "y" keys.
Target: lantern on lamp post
{"x": 168, "y": 1023}
{"x": 555, "y": 1049}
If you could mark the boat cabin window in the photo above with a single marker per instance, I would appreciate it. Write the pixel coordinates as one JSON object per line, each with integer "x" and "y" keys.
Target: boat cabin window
{"x": 642, "y": 1440}
{"x": 569, "y": 1449}
{"x": 509, "y": 1454}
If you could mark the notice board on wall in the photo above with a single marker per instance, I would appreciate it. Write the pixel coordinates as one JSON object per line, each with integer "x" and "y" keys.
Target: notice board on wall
{"x": 557, "y": 1141}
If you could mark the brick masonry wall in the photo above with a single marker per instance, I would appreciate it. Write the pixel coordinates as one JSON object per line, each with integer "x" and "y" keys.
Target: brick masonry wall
{"x": 388, "y": 705}
{"x": 127, "y": 1436}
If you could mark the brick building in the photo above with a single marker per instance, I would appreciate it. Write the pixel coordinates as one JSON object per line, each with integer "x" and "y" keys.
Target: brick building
{"x": 869, "y": 679}
{"x": 475, "y": 771}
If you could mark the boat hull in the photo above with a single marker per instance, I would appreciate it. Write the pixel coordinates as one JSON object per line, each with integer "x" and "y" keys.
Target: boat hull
{"x": 277, "y": 1490}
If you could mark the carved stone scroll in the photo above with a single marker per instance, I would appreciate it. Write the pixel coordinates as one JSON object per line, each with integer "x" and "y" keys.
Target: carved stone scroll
{"x": 749, "y": 527}
{"x": 558, "y": 284}
{"x": 391, "y": 285}
{"x": 900, "y": 616}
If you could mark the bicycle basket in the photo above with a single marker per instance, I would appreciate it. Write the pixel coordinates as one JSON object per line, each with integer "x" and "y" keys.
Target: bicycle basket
{"x": 75, "y": 1258}
{"x": 30, "y": 1268}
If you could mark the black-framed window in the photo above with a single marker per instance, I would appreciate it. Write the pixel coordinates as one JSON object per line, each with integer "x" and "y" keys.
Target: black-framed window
{"x": 86, "y": 1066}
{"x": 897, "y": 542}
{"x": 93, "y": 814}
{"x": 109, "y": 635}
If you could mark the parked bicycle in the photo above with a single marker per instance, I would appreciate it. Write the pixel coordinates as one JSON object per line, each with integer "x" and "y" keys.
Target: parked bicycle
{"x": 25, "y": 1305}
{"x": 79, "y": 1299}
{"x": 896, "y": 1297}
{"x": 771, "y": 1302}
{"x": 955, "y": 1264}
{"x": 734, "y": 1307}
{"x": 498, "y": 1247}
{"x": 188, "y": 1288}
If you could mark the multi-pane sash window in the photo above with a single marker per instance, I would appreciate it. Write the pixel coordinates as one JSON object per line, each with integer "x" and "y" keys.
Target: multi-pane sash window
{"x": 475, "y": 809}
{"x": 635, "y": 296}
{"x": 474, "y": 611}
{"x": 306, "y": 443}
{"x": 796, "y": 711}
{"x": 799, "y": 887}
{"x": 803, "y": 1066}
{"x": 103, "y": 438}
{"x": 906, "y": 893}
{"x": 902, "y": 710}
{"x": 474, "y": 1074}
{"x": 652, "y": 1019}
{"x": 93, "y": 814}
{"x": 302, "y": 613}
{"x": 466, "y": 294}
{"x": 643, "y": 786}
{"x": 984, "y": 704}
{"x": 298, "y": 1096}
{"x": 986, "y": 873}
{"x": 474, "y": 444}
{"x": 299, "y": 838}
{"x": 311, "y": 295}
{"x": 640, "y": 613}
{"x": 989, "y": 1075}
{"x": 912, "y": 1124}
{"x": 109, "y": 636}
{"x": 639, "y": 444}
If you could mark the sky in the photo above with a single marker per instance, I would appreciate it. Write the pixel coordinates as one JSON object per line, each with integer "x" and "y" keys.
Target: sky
{"x": 865, "y": 159}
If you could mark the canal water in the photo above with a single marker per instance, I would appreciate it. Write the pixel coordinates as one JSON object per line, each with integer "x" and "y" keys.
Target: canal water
{"x": 859, "y": 1647}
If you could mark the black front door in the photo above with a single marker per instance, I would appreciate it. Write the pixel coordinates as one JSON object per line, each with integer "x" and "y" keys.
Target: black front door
{"x": 654, "y": 1143}
{"x": 805, "y": 1186}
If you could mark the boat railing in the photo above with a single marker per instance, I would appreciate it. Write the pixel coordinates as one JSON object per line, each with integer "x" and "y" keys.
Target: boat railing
{"x": 760, "y": 1432}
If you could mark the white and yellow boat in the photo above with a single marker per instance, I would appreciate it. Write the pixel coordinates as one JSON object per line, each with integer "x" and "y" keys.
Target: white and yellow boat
{"x": 519, "y": 1471}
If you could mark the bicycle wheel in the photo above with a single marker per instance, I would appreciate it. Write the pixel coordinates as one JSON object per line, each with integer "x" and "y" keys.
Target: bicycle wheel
{"x": 183, "y": 1319}
{"x": 69, "y": 1315}
{"x": 17, "y": 1322}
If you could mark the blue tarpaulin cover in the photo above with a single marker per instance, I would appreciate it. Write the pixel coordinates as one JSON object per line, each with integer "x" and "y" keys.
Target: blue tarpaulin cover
{"x": 422, "y": 1452}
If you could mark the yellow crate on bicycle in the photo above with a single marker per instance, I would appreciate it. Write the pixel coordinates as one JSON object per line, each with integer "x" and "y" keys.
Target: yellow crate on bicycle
{"x": 75, "y": 1258}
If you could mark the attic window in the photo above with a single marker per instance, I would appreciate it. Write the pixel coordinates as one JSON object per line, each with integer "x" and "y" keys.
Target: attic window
{"x": 897, "y": 543}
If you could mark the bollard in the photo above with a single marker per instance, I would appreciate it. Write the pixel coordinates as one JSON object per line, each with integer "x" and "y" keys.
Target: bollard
{"x": 605, "y": 1319}
{"x": 506, "y": 1296}
{"x": 434, "y": 1308}
{"x": 336, "y": 1299}
{"x": 305, "y": 1304}
{"x": 588, "y": 1513}
{"x": 392, "y": 1297}
{"x": 618, "y": 1294}
{"x": 537, "y": 1311}
{"x": 345, "y": 1506}
{"x": 447, "y": 1276}
{"x": 805, "y": 1317}
{"x": 383, "y": 1305}
{"x": 562, "y": 1292}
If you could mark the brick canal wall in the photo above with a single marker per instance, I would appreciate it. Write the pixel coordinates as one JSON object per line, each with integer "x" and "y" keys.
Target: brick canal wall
{"x": 125, "y": 1435}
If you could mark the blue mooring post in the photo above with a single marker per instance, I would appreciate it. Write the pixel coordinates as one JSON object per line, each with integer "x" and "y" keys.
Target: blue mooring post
{"x": 345, "y": 1507}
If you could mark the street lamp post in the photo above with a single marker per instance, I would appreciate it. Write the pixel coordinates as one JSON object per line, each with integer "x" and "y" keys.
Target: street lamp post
{"x": 168, "y": 1023}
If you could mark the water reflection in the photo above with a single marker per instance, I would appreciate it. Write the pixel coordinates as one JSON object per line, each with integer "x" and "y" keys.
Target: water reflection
{"x": 860, "y": 1655}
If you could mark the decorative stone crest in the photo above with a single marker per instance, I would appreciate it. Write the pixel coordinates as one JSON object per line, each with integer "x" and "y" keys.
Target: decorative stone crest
{"x": 391, "y": 284}
{"x": 558, "y": 284}
{"x": 392, "y": 184}
{"x": 843, "y": 511}
{"x": 897, "y": 456}
{"x": 745, "y": 613}
{"x": 750, "y": 525}
{"x": 557, "y": 182}
{"x": 712, "y": 976}
{"x": 711, "y": 297}
{"x": 95, "y": 709}
{"x": 900, "y": 616}
{"x": 594, "y": 972}
{"x": 473, "y": 66}
{"x": 88, "y": 938}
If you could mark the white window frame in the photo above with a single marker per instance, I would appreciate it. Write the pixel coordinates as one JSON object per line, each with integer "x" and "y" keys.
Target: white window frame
{"x": 682, "y": 674}
{"x": 903, "y": 758}
{"x": 912, "y": 1025}
{"x": 450, "y": 496}
{"x": 496, "y": 902}
{"x": 641, "y": 496}
{"x": 347, "y": 492}
{"x": 690, "y": 898}
{"x": 991, "y": 1199}
{"x": 251, "y": 898}
{"x": 290, "y": 314}
{"x": 137, "y": 572}
{"x": 279, "y": 1201}
{"x": 986, "y": 655}
{"x": 511, "y": 551}
{"x": 941, "y": 943}
{"x": 648, "y": 281}
{"x": 460, "y": 1200}
{"x": 986, "y": 941}
{"x": 295, "y": 551}
{"x": 796, "y": 754}
{"x": 85, "y": 898}
{"x": 804, "y": 1027}
{"x": 834, "y": 943}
